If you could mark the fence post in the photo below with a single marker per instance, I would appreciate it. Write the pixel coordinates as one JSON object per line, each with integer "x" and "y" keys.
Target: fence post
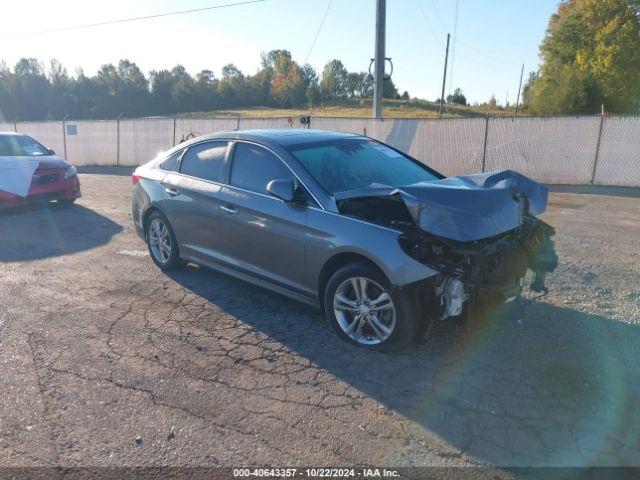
{"x": 15, "y": 126}
{"x": 595, "y": 160}
{"x": 486, "y": 136}
{"x": 238, "y": 123}
{"x": 118, "y": 139}
{"x": 64, "y": 135}
{"x": 175, "y": 122}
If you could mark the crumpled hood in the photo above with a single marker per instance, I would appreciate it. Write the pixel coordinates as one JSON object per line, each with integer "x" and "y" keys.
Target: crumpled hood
{"x": 16, "y": 173}
{"x": 466, "y": 208}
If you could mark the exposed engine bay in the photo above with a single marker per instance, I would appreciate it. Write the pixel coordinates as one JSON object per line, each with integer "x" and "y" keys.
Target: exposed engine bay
{"x": 472, "y": 270}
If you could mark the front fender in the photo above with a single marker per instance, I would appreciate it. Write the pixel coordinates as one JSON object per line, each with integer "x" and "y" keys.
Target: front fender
{"x": 330, "y": 234}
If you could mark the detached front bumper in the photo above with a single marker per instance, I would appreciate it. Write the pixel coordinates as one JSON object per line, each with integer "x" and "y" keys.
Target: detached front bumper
{"x": 455, "y": 297}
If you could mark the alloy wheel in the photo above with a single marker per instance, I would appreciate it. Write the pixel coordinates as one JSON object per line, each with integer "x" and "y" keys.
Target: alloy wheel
{"x": 364, "y": 310}
{"x": 159, "y": 240}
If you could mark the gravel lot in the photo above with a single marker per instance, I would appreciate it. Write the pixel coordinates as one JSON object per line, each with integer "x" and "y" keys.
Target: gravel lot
{"x": 106, "y": 361}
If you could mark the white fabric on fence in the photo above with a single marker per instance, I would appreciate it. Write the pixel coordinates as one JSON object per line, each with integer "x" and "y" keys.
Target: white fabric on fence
{"x": 349, "y": 125}
{"x": 143, "y": 139}
{"x": 197, "y": 127}
{"x": 262, "y": 123}
{"x": 557, "y": 150}
{"x": 451, "y": 146}
{"x": 95, "y": 142}
{"x": 619, "y": 156}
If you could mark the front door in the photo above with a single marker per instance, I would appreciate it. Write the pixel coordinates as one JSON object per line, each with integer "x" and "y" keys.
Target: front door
{"x": 261, "y": 235}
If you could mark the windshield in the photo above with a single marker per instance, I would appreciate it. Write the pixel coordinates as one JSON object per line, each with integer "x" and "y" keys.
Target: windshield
{"x": 20, "y": 146}
{"x": 353, "y": 163}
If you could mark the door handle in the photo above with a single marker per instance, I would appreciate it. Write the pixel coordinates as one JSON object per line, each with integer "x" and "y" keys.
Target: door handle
{"x": 172, "y": 191}
{"x": 229, "y": 209}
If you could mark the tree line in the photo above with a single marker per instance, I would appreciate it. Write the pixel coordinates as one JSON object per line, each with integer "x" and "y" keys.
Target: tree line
{"x": 590, "y": 58}
{"x": 31, "y": 92}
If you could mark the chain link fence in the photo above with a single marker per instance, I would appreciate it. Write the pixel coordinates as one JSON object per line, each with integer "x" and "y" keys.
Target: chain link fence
{"x": 555, "y": 150}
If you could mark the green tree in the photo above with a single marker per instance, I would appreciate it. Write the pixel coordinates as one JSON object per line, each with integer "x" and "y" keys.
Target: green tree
{"x": 231, "y": 87}
{"x": 8, "y": 105}
{"x": 359, "y": 85}
{"x": 206, "y": 90}
{"x": 31, "y": 89}
{"x": 333, "y": 85}
{"x": 591, "y": 56}
{"x": 133, "y": 89}
{"x": 183, "y": 90}
{"x": 314, "y": 96}
{"x": 288, "y": 81}
{"x": 457, "y": 97}
{"x": 161, "y": 84}
{"x": 389, "y": 89}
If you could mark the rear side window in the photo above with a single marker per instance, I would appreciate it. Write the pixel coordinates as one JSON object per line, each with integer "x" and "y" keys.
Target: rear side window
{"x": 171, "y": 163}
{"x": 254, "y": 167}
{"x": 204, "y": 161}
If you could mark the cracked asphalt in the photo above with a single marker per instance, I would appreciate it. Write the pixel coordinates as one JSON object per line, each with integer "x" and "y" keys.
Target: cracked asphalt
{"x": 107, "y": 361}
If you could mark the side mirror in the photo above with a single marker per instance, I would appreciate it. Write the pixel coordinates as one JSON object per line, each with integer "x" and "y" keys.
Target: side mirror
{"x": 50, "y": 151}
{"x": 282, "y": 189}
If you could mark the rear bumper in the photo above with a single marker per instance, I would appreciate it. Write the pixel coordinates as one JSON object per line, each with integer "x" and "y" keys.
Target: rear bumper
{"x": 64, "y": 190}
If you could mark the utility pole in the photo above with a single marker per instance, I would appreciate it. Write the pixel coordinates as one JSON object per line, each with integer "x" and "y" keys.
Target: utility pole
{"x": 378, "y": 75}
{"x": 444, "y": 77}
{"x": 519, "y": 89}
{"x": 453, "y": 47}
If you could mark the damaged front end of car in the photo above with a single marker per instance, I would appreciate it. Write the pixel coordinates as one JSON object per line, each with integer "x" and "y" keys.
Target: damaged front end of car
{"x": 482, "y": 272}
{"x": 480, "y": 232}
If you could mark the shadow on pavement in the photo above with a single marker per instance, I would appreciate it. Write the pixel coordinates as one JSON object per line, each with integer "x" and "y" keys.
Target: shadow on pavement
{"x": 558, "y": 387}
{"x": 42, "y": 231}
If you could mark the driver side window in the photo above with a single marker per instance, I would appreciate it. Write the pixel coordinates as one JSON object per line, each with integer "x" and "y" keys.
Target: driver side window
{"x": 253, "y": 167}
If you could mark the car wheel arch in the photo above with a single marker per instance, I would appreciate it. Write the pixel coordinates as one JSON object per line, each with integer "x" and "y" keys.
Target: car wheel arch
{"x": 147, "y": 213}
{"x": 336, "y": 262}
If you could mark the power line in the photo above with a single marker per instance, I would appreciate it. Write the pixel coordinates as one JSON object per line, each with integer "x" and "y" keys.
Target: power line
{"x": 426, "y": 20}
{"x": 435, "y": 10}
{"x": 494, "y": 58}
{"x": 132, "y": 19}
{"x": 315, "y": 39}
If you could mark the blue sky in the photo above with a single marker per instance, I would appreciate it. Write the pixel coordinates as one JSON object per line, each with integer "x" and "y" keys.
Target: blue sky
{"x": 494, "y": 37}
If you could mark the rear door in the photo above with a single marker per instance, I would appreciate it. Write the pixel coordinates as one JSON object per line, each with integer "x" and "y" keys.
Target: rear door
{"x": 192, "y": 199}
{"x": 260, "y": 234}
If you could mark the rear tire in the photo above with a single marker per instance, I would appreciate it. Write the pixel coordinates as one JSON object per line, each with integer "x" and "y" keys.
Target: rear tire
{"x": 65, "y": 202}
{"x": 364, "y": 310}
{"x": 162, "y": 243}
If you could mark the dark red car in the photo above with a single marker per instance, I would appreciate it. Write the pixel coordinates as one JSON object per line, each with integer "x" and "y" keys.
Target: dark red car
{"x": 30, "y": 172}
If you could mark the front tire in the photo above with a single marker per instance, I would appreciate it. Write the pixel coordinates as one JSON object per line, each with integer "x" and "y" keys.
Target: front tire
{"x": 162, "y": 243}
{"x": 363, "y": 309}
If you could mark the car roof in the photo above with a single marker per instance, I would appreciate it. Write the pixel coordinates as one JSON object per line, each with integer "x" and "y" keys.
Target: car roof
{"x": 11, "y": 134}
{"x": 283, "y": 137}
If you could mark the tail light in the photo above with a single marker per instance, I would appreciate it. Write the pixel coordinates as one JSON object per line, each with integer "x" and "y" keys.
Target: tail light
{"x": 135, "y": 178}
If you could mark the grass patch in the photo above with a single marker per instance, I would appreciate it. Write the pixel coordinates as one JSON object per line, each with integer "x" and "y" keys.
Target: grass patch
{"x": 391, "y": 109}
